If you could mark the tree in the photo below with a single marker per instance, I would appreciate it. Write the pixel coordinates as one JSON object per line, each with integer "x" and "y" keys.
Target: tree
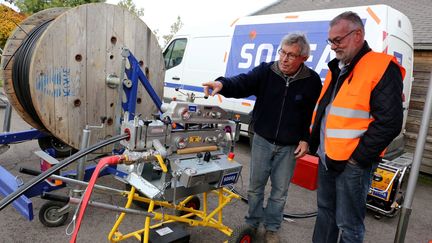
{"x": 33, "y": 6}
{"x": 174, "y": 29}
{"x": 129, "y": 5}
{"x": 8, "y": 22}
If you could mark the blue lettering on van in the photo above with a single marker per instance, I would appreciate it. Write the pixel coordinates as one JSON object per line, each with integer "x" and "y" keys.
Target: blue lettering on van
{"x": 256, "y": 43}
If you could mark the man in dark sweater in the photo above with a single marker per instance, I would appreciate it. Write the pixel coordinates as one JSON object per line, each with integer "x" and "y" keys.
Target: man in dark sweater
{"x": 286, "y": 91}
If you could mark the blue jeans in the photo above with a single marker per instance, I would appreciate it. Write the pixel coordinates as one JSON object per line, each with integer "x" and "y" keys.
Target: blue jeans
{"x": 276, "y": 162}
{"x": 342, "y": 203}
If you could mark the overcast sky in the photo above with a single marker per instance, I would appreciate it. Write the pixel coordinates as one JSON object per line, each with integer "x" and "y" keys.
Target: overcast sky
{"x": 161, "y": 14}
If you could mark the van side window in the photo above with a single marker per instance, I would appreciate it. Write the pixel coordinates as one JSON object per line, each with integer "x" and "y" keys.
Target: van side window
{"x": 173, "y": 55}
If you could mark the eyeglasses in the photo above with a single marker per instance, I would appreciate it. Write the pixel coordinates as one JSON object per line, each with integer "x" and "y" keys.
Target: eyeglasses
{"x": 290, "y": 56}
{"x": 338, "y": 40}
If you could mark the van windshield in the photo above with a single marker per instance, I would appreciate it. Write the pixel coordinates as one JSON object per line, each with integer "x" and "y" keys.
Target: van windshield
{"x": 173, "y": 55}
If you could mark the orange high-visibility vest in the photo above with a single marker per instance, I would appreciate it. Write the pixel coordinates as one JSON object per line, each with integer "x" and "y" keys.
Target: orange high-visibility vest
{"x": 349, "y": 115}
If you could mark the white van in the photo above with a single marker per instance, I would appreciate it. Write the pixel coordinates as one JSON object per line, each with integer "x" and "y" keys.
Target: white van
{"x": 199, "y": 55}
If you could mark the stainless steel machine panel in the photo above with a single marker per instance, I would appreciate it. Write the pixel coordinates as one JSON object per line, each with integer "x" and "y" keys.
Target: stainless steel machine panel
{"x": 218, "y": 170}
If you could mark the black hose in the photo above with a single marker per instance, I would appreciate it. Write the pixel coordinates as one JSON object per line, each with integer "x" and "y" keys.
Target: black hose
{"x": 21, "y": 190}
{"x": 21, "y": 68}
{"x": 285, "y": 215}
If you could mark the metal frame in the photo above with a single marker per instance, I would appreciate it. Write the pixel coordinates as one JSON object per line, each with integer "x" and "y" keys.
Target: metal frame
{"x": 205, "y": 218}
{"x": 134, "y": 74}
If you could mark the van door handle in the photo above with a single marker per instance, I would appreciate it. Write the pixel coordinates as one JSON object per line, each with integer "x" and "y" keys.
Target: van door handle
{"x": 175, "y": 78}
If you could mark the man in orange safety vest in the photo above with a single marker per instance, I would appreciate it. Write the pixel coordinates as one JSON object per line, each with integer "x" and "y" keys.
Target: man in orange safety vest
{"x": 359, "y": 112}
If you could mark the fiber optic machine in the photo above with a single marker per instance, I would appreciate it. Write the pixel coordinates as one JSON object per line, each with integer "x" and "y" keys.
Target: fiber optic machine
{"x": 195, "y": 140}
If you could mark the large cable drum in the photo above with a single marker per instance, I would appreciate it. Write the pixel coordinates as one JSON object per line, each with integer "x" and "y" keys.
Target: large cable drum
{"x": 57, "y": 63}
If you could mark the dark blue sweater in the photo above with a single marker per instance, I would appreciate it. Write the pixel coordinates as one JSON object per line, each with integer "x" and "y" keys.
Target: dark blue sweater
{"x": 283, "y": 107}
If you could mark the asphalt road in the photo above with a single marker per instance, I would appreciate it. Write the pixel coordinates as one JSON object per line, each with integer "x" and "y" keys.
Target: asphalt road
{"x": 98, "y": 222}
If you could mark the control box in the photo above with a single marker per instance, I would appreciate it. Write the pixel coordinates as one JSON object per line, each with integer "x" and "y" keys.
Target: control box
{"x": 213, "y": 169}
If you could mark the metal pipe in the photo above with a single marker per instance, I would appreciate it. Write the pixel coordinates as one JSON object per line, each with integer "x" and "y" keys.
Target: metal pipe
{"x": 81, "y": 162}
{"x": 160, "y": 148}
{"x": 112, "y": 207}
{"x": 83, "y": 183}
{"x": 7, "y": 118}
{"x": 21, "y": 190}
{"x": 412, "y": 182}
{"x": 118, "y": 108}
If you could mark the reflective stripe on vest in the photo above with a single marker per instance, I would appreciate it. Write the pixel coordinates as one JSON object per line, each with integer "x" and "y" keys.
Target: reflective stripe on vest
{"x": 349, "y": 113}
{"x": 344, "y": 133}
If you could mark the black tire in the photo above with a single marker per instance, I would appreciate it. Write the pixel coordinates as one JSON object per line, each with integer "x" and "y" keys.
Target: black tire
{"x": 61, "y": 149}
{"x": 48, "y": 215}
{"x": 194, "y": 203}
{"x": 242, "y": 234}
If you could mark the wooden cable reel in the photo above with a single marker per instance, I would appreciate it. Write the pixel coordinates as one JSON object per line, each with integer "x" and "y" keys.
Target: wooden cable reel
{"x": 69, "y": 66}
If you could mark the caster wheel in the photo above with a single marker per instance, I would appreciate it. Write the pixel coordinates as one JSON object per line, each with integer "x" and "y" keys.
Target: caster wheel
{"x": 49, "y": 216}
{"x": 242, "y": 234}
{"x": 194, "y": 203}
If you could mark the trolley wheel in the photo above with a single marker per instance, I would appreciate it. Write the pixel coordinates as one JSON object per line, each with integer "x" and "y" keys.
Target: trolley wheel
{"x": 194, "y": 203}
{"x": 61, "y": 149}
{"x": 242, "y": 234}
{"x": 48, "y": 215}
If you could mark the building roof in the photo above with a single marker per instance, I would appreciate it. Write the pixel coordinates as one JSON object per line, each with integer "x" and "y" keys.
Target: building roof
{"x": 418, "y": 11}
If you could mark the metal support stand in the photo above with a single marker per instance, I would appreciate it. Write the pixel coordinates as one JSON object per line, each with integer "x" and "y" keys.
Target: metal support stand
{"x": 412, "y": 182}
{"x": 7, "y": 118}
{"x": 85, "y": 141}
{"x": 84, "y": 144}
{"x": 6, "y": 125}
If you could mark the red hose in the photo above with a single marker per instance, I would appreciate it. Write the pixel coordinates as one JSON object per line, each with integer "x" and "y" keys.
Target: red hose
{"x": 111, "y": 160}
